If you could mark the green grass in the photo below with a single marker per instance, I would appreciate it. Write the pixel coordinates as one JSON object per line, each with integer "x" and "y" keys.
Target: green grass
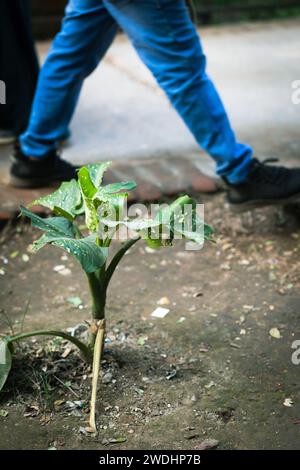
{"x": 217, "y": 11}
{"x": 208, "y": 3}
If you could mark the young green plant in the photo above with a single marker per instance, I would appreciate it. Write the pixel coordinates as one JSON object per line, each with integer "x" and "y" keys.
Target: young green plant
{"x": 104, "y": 210}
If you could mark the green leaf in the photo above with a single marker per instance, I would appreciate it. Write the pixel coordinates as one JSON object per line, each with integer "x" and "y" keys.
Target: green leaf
{"x": 96, "y": 172}
{"x": 66, "y": 201}
{"x": 118, "y": 187}
{"x": 55, "y": 226}
{"x": 5, "y": 362}
{"x": 208, "y": 232}
{"x": 165, "y": 214}
{"x": 110, "y": 205}
{"x": 117, "y": 440}
{"x": 142, "y": 340}
{"x": 88, "y": 190}
{"x": 114, "y": 188}
{"x": 153, "y": 243}
{"x": 110, "y": 210}
{"x": 136, "y": 225}
{"x": 60, "y": 232}
{"x": 178, "y": 220}
{"x": 91, "y": 256}
{"x": 182, "y": 220}
{"x": 86, "y": 183}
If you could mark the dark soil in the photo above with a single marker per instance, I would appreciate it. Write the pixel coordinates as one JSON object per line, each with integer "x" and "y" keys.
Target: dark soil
{"x": 209, "y": 370}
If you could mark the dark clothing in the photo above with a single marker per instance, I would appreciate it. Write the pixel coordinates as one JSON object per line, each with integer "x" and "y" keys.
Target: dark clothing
{"x": 18, "y": 64}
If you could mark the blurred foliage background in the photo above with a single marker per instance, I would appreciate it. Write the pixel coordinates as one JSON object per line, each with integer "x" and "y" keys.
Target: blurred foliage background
{"x": 217, "y": 11}
{"x": 47, "y": 14}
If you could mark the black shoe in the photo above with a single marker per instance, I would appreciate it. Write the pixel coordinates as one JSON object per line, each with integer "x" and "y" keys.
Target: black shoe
{"x": 36, "y": 173}
{"x": 266, "y": 185}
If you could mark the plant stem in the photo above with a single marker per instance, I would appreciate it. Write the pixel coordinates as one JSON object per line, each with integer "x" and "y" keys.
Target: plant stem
{"x": 98, "y": 281}
{"x": 96, "y": 369}
{"x": 85, "y": 350}
{"x": 98, "y": 284}
{"x": 98, "y": 293}
{"x": 78, "y": 233}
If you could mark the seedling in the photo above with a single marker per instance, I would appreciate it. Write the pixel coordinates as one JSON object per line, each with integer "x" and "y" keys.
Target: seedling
{"x": 104, "y": 210}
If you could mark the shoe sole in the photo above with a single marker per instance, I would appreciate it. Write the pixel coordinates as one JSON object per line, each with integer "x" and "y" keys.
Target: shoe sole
{"x": 248, "y": 206}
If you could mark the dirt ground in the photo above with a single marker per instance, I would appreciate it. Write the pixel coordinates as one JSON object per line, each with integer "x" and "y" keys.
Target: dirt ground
{"x": 218, "y": 366}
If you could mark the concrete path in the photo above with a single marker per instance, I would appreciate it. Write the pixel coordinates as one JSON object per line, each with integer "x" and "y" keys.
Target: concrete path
{"x": 123, "y": 115}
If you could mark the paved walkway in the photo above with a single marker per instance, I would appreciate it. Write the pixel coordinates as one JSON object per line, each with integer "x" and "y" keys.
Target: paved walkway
{"x": 253, "y": 66}
{"x": 123, "y": 116}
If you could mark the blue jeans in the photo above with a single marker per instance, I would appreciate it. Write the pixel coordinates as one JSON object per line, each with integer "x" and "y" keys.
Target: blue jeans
{"x": 168, "y": 44}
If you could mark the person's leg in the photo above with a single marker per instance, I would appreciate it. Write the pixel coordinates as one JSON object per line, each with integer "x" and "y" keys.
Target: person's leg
{"x": 18, "y": 65}
{"x": 167, "y": 42}
{"x": 87, "y": 32}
